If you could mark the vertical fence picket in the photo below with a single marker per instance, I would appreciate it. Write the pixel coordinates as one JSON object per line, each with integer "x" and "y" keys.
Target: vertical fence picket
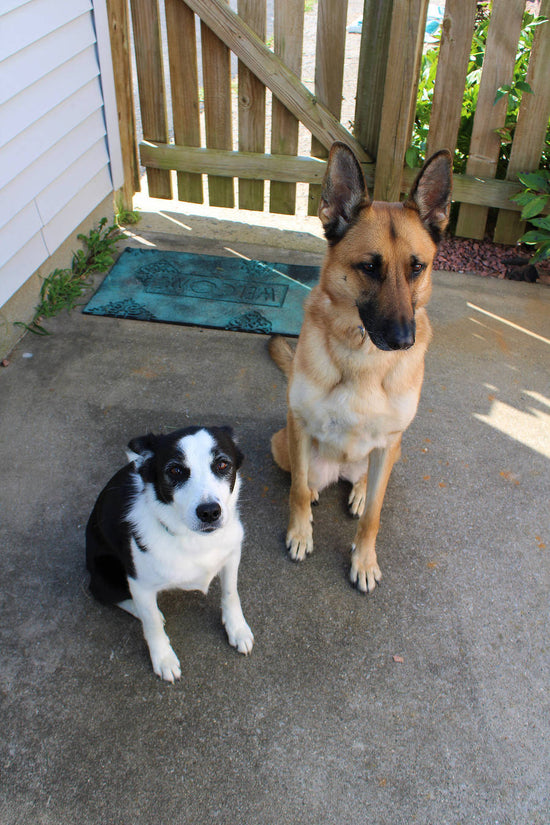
{"x": 407, "y": 26}
{"x": 117, "y": 11}
{"x": 531, "y": 127}
{"x": 152, "y": 97}
{"x": 498, "y": 69}
{"x": 182, "y": 58}
{"x": 415, "y": 80}
{"x": 288, "y": 31}
{"x": 452, "y": 67}
{"x": 329, "y": 73}
{"x": 373, "y": 59}
{"x": 251, "y": 108}
{"x": 216, "y": 73}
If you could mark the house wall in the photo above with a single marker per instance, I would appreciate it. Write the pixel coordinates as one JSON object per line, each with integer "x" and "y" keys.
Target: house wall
{"x": 59, "y": 144}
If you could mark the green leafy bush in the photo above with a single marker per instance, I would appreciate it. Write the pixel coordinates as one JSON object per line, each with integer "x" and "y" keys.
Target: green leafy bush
{"x": 534, "y": 199}
{"x": 514, "y": 91}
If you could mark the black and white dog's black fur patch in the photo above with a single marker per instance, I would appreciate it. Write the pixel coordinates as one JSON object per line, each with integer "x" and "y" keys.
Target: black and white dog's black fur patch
{"x": 169, "y": 520}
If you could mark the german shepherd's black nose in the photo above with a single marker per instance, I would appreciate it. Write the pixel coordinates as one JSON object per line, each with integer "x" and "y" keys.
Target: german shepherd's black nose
{"x": 209, "y": 512}
{"x": 399, "y": 334}
{"x": 387, "y": 333}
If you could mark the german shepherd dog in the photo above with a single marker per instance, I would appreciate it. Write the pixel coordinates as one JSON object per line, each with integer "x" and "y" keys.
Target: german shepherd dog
{"x": 354, "y": 380}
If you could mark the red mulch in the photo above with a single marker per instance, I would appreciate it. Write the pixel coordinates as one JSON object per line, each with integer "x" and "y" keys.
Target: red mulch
{"x": 489, "y": 259}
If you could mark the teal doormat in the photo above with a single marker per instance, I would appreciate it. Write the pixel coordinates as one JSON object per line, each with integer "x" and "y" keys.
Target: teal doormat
{"x": 204, "y": 290}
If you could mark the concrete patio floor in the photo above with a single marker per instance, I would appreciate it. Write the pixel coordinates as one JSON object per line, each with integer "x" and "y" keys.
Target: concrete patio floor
{"x": 425, "y": 702}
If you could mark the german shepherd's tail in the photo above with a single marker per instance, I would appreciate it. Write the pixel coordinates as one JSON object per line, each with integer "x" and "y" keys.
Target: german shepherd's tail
{"x": 281, "y": 352}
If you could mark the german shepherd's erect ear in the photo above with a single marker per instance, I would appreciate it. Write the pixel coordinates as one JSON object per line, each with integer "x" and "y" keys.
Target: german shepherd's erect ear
{"x": 343, "y": 193}
{"x": 430, "y": 195}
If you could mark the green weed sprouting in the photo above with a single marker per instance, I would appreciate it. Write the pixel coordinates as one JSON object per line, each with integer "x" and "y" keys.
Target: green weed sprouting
{"x": 125, "y": 216}
{"x": 63, "y": 288}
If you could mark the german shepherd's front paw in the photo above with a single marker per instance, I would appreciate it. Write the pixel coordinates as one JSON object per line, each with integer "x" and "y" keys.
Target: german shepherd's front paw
{"x": 364, "y": 574}
{"x": 299, "y": 542}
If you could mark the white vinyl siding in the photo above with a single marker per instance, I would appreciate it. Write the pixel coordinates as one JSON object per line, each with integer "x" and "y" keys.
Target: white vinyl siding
{"x": 55, "y": 166}
{"x": 40, "y": 174}
{"x": 34, "y": 61}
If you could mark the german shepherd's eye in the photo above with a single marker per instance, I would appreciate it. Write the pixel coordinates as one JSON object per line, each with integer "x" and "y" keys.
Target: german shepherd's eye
{"x": 416, "y": 267}
{"x": 177, "y": 473}
{"x": 370, "y": 268}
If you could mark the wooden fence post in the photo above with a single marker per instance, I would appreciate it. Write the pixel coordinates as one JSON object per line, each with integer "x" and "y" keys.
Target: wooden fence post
{"x": 182, "y": 58}
{"x": 407, "y": 26}
{"x": 288, "y": 30}
{"x": 329, "y": 73}
{"x": 152, "y": 97}
{"x": 498, "y": 69}
{"x": 117, "y": 12}
{"x": 373, "y": 59}
{"x": 452, "y": 68}
{"x": 251, "y": 108}
{"x": 216, "y": 73}
{"x": 421, "y": 33}
{"x": 531, "y": 127}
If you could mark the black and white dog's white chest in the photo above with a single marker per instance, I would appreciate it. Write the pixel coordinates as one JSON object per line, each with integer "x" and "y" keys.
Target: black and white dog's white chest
{"x": 162, "y": 558}
{"x": 167, "y": 520}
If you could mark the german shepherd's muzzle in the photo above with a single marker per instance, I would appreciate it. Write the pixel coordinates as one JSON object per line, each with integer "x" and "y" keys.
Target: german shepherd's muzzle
{"x": 356, "y": 375}
{"x": 387, "y": 333}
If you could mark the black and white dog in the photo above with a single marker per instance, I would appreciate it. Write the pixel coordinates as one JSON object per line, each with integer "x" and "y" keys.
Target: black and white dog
{"x": 168, "y": 520}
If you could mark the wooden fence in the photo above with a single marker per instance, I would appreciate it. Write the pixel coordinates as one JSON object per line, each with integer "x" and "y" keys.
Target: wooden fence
{"x": 199, "y": 140}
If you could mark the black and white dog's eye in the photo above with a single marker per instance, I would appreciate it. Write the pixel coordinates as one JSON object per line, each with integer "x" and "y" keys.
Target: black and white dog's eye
{"x": 222, "y": 465}
{"x": 177, "y": 472}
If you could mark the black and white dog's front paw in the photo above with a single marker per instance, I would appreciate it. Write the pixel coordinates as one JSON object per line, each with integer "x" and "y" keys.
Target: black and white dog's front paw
{"x": 239, "y": 636}
{"x": 165, "y": 663}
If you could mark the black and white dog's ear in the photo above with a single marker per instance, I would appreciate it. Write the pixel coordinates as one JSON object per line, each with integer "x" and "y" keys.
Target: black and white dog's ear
{"x": 231, "y": 444}
{"x": 225, "y": 428}
{"x": 239, "y": 456}
{"x": 140, "y": 449}
{"x": 343, "y": 192}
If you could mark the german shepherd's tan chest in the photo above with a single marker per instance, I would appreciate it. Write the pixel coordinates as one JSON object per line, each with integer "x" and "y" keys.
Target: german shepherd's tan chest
{"x": 353, "y": 417}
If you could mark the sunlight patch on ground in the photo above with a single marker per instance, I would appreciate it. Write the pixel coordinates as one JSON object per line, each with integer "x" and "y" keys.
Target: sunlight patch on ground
{"x": 135, "y": 237}
{"x": 508, "y": 323}
{"x": 171, "y": 218}
{"x": 531, "y": 427}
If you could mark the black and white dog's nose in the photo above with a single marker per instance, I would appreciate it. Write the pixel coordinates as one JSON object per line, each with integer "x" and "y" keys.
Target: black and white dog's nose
{"x": 209, "y": 512}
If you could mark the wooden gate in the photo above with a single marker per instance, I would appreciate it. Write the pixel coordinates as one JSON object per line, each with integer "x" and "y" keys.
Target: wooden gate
{"x": 199, "y": 140}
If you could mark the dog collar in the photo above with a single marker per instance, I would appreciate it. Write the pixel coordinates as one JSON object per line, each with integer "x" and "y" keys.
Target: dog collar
{"x": 142, "y": 546}
{"x": 162, "y": 524}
